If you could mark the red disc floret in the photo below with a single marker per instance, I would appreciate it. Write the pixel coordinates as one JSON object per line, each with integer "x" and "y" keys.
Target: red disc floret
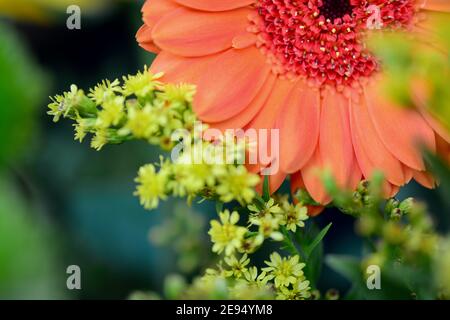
{"x": 323, "y": 40}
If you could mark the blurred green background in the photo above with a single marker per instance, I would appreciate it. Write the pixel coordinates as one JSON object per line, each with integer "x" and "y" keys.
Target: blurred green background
{"x": 62, "y": 203}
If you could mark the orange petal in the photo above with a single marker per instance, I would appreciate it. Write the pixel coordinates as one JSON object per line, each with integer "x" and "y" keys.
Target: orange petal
{"x": 368, "y": 140}
{"x": 436, "y": 5}
{"x": 153, "y": 11}
{"x": 314, "y": 211}
{"x": 245, "y": 116}
{"x": 425, "y": 179}
{"x": 296, "y": 184}
{"x": 178, "y": 69}
{"x": 443, "y": 148}
{"x": 355, "y": 175}
{"x": 192, "y": 33}
{"x": 408, "y": 173}
{"x": 145, "y": 40}
{"x": 215, "y": 5}
{"x": 230, "y": 84}
{"x": 298, "y": 121}
{"x": 313, "y": 182}
{"x": 244, "y": 40}
{"x": 390, "y": 190}
{"x": 265, "y": 120}
{"x": 401, "y": 130}
{"x": 275, "y": 182}
{"x": 368, "y": 169}
{"x": 335, "y": 138}
{"x": 364, "y": 162}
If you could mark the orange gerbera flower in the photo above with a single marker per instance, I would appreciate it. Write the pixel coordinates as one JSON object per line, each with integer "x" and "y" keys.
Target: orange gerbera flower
{"x": 300, "y": 66}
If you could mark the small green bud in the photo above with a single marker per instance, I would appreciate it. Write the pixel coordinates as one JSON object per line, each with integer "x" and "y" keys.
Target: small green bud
{"x": 357, "y": 197}
{"x": 85, "y": 106}
{"x": 304, "y": 197}
{"x": 174, "y": 286}
{"x": 391, "y": 204}
{"x": 396, "y": 214}
{"x": 332, "y": 294}
{"x": 315, "y": 294}
{"x": 363, "y": 186}
{"x": 407, "y": 205}
{"x": 367, "y": 200}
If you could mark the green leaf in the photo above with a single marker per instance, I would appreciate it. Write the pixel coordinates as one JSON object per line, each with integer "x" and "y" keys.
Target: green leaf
{"x": 29, "y": 249}
{"x": 288, "y": 244}
{"x": 266, "y": 189}
{"x": 303, "y": 237}
{"x": 313, "y": 268}
{"x": 347, "y": 266}
{"x": 398, "y": 282}
{"x": 259, "y": 202}
{"x": 22, "y": 90}
{"x": 251, "y": 234}
{"x": 219, "y": 207}
{"x": 318, "y": 239}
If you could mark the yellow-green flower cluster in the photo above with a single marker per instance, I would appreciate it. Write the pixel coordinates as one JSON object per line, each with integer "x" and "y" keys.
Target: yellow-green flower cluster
{"x": 284, "y": 271}
{"x": 191, "y": 180}
{"x": 226, "y": 235}
{"x": 407, "y": 231}
{"x": 236, "y": 184}
{"x": 404, "y": 229}
{"x": 283, "y": 277}
{"x": 288, "y": 277}
{"x": 293, "y": 215}
{"x": 270, "y": 216}
{"x": 141, "y": 107}
{"x": 400, "y": 239}
{"x": 238, "y": 282}
{"x": 215, "y": 285}
{"x": 238, "y": 267}
{"x": 151, "y": 186}
{"x": 265, "y": 221}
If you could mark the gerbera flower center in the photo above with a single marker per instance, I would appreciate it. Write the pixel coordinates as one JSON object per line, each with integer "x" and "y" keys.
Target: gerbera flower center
{"x": 333, "y": 9}
{"x": 323, "y": 40}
